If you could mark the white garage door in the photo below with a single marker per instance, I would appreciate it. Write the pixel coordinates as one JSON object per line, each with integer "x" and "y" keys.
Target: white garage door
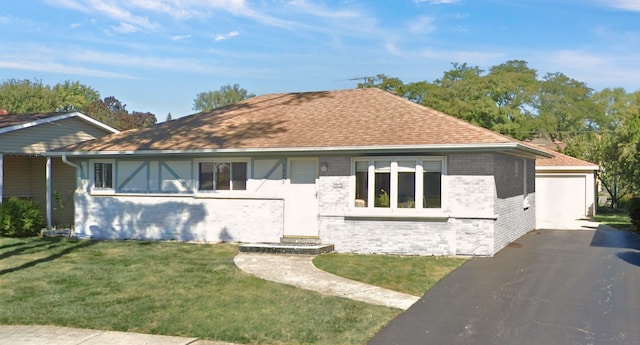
{"x": 560, "y": 201}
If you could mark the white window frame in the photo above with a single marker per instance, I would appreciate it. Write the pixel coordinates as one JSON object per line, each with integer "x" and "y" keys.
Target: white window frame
{"x": 102, "y": 190}
{"x": 214, "y": 162}
{"x": 393, "y": 193}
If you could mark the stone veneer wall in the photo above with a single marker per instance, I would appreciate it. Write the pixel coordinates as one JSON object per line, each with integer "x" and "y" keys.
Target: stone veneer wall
{"x": 469, "y": 230}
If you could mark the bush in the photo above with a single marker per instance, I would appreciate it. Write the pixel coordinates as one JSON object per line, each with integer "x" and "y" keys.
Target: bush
{"x": 20, "y": 218}
{"x": 634, "y": 213}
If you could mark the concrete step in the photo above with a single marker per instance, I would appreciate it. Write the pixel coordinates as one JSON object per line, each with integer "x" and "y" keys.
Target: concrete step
{"x": 286, "y": 248}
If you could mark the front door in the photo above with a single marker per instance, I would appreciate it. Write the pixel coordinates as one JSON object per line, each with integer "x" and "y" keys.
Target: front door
{"x": 301, "y": 201}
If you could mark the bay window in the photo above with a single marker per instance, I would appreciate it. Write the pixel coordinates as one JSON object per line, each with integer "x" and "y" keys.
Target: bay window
{"x": 399, "y": 183}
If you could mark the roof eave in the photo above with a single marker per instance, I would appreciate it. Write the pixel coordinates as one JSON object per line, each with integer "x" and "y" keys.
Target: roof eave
{"x": 510, "y": 148}
{"x": 557, "y": 168}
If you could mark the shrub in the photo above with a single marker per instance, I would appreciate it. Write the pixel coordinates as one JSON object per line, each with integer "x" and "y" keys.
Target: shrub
{"x": 20, "y": 217}
{"x": 634, "y": 213}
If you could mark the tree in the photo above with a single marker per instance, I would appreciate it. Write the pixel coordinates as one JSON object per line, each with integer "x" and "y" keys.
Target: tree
{"x": 112, "y": 112}
{"x": 169, "y": 117}
{"x": 26, "y": 96}
{"x": 71, "y": 96}
{"x": 226, "y": 95}
{"x": 613, "y": 143}
{"x": 513, "y": 87}
{"x": 564, "y": 106}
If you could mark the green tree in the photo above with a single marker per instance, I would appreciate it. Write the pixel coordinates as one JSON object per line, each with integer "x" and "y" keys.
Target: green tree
{"x": 169, "y": 117}
{"x": 613, "y": 143}
{"x": 71, "y": 96}
{"x": 226, "y": 95}
{"x": 112, "y": 112}
{"x": 513, "y": 87}
{"x": 26, "y": 96}
{"x": 564, "y": 107}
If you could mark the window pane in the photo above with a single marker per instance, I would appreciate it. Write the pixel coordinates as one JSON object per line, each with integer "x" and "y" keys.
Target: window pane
{"x": 239, "y": 176}
{"x": 205, "y": 176}
{"x": 108, "y": 175}
{"x": 362, "y": 184}
{"x": 432, "y": 189}
{"x": 97, "y": 175}
{"x": 223, "y": 176}
{"x": 383, "y": 184}
{"x": 406, "y": 189}
{"x": 102, "y": 174}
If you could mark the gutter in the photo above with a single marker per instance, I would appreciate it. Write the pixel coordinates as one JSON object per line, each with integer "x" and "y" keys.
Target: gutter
{"x": 513, "y": 148}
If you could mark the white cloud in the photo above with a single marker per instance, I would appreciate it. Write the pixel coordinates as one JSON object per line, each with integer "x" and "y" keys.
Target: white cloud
{"x": 124, "y": 28}
{"x": 436, "y": 2}
{"x": 630, "y": 5}
{"x": 422, "y": 25}
{"x": 180, "y": 37}
{"x": 221, "y": 37}
{"x": 598, "y": 70}
{"x": 54, "y": 67}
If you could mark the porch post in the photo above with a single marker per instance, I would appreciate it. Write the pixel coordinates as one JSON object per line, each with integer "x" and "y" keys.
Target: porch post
{"x": 48, "y": 192}
{"x": 1, "y": 175}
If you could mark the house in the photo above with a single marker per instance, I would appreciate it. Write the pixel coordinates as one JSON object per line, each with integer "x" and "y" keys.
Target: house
{"x": 362, "y": 169}
{"x": 566, "y": 191}
{"x": 24, "y": 170}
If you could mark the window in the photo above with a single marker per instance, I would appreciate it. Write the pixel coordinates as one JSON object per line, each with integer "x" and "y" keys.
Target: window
{"x": 218, "y": 176}
{"x": 103, "y": 175}
{"x": 403, "y": 183}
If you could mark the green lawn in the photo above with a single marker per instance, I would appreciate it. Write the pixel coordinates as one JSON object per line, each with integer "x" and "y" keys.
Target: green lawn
{"x": 172, "y": 289}
{"x": 618, "y": 220}
{"x": 409, "y": 274}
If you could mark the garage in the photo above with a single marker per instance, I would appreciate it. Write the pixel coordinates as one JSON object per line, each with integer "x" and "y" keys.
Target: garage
{"x": 565, "y": 192}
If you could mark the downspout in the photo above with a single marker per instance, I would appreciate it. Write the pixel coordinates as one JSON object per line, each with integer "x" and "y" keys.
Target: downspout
{"x": 78, "y": 174}
{"x": 48, "y": 192}
{"x": 78, "y": 170}
{"x": 1, "y": 175}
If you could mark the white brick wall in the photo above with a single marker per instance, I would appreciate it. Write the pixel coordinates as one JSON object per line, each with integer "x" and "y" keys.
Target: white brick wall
{"x": 478, "y": 217}
{"x": 178, "y": 218}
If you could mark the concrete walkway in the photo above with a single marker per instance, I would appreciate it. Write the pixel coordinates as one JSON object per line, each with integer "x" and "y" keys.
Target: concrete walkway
{"x": 39, "y": 335}
{"x": 299, "y": 271}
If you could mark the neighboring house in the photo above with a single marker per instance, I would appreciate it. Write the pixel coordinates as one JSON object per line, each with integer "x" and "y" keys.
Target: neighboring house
{"x": 26, "y": 173}
{"x": 362, "y": 169}
{"x": 565, "y": 191}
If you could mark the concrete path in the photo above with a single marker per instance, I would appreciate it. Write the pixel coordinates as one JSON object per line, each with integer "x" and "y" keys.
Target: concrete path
{"x": 53, "y": 335}
{"x": 549, "y": 287}
{"x": 299, "y": 271}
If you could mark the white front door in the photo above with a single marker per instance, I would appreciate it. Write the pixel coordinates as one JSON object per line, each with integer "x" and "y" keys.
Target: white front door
{"x": 301, "y": 200}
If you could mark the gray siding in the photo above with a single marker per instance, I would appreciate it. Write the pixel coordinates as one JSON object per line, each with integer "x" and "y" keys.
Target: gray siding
{"x": 41, "y": 138}
{"x": 17, "y": 176}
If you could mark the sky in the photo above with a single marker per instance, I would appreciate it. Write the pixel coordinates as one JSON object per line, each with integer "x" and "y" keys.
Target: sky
{"x": 157, "y": 55}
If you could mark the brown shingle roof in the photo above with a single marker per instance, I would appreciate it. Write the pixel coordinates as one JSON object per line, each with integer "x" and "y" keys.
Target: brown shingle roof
{"x": 19, "y": 119}
{"x": 562, "y": 160}
{"x": 346, "y": 118}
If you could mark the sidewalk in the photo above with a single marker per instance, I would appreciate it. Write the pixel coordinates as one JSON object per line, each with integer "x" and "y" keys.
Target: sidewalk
{"x": 299, "y": 271}
{"x": 54, "y": 335}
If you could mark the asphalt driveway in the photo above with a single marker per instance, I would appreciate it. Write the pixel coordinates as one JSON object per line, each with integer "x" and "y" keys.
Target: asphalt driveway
{"x": 549, "y": 287}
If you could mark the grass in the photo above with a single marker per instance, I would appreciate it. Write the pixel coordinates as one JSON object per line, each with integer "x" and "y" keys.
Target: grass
{"x": 409, "y": 274}
{"x": 619, "y": 220}
{"x": 169, "y": 288}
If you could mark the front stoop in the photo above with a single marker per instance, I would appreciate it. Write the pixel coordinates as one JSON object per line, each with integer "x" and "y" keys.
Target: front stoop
{"x": 286, "y": 248}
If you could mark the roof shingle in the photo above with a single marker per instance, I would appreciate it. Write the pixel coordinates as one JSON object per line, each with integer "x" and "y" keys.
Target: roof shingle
{"x": 345, "y": 118}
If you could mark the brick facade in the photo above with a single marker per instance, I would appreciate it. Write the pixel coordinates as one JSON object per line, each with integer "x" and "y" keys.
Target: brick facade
{"x": 483, "y": 210}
